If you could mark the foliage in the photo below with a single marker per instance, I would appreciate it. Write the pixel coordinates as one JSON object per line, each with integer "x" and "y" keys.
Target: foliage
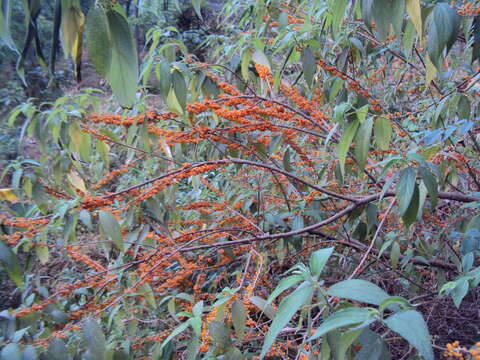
{"x": 305, "y": 192}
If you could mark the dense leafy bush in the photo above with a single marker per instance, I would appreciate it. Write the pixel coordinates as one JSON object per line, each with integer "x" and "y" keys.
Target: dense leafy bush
{"x": 309, "y": 191}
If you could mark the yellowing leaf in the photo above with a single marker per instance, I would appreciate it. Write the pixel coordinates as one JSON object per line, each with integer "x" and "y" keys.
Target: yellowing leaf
{"x": 73, "y": 21}
{"x": 166, "y": 149}
{"x": 8, "y": 195}
{"x": 260, "y": 58}
{"x": 413, "y": 9}
{"x": 42, "y": 253}
{"x": 76, "y": 181}
{"x": 431, "y": 70}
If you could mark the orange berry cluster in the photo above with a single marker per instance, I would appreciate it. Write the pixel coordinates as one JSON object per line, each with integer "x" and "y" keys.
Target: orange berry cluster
{"x": 74, "y": 253}
{"x": 455, "y": 351}
{"x": 111, "y": 176}
{"x": 263, "y": 71}
{"x": 352, "y": 84}
{"x": 468, "y": 8}
{"x": 128, "y": 121}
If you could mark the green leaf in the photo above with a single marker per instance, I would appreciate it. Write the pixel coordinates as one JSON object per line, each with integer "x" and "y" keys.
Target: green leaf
{"x": 385, "y": 13}
{"x": 165, "y": 77}
{"x": 29, "y": 353}
{"x": 239, "y": 319}
{"x": 383, "y": 133}
{"x": 178, "y": 330}
{"x": 94, "y": 340}
{"x": 337, "y": 7}
{"x": 149, "y": 296}
{"x": 415, "y": 13}
{"x": 286, "y": 161}
{"x": 220, "y": 334}
{"x": 394, "y": 255}
{"x": 358, "y": 290}
{"x": 345, "y": 142}
{"x": 362, "y": 142}
{"x": 460, "y": 291}
{"x": 123, "y": 72}
{"x": 388, "y": 302}
{"x": 287, "y": 308}
{"x": 410, "y": 325}
{"x": 405, "y": 188}
{"x": 264, "y": 306}
{"x": 180, "y": 88}
{"x": 111, "y": 228}
{"x": 430, "y": 183}
{"x": 5, "y": 23}
{"x": 309, "y": 65}
{"x": 373, "y": 347}
{"x": 411, "y": 213}
{"x": 318, "y": 260}
{"x": 57, "y": 350}
{"x": 11, "y": 265}
{"x": 11, "y": 352}
{"x": 99, "y": 40}
{"x": 197, "y": 6}
{"x": 283, "y": 285}
{"x": 443, "y": 31}
{"x": 342, "y": 318}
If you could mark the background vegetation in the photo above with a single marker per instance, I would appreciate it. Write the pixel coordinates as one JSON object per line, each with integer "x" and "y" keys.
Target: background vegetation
{"x": 240, "y": 179}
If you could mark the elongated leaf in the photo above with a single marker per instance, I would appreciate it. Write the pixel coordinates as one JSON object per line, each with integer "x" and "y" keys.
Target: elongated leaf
{"x": 11, "y": 265}
{"x": 57, "y": 350}
{"x": 318, "y": 260}
{"x": 163, "y": 74}
{"x": 385, "y": 13}
{"x": 180, "y": 88}
{"x": 5, "y": 23}
{"x": 337, "y": 7}
{"x": 410, "y": 215}
{"x": 287, "y": 308}
{"x": 8, "y": 195}
{"x": 29, "y": 353}
{"x": 123, "y": 72}
{"x": 94, "y": 340}
{"x": 362, "y": 141}
{"x": 383, "y": 133}
{"x": 443, "y": 31}
{"x": 358, "y": 290}
{"x": 197, "y": 6}
{"x": 149, "y": 295}
{"x": 111, "y": 228}
{"x": 411, "y": 326}
{"x": 73, "y": 21}
{"x": 264, "y": 306}
{"x": 178, "y": 330}
{"x": 11, "y": 352}
{"x": 309, "y": 65}
{"x": 345, "y": 142}
{"x": 373, "y": 347}
{"x": 220, "y": 334}
{"x": 76, "y": 181}
{"x": 283, "y": 285}
{"x": 99, "y": 40}
{"x": 415, "y": 13}
{"x": 405, "y": 188}
{"x": 342, "y": 318}
{"x": 239, "y": 319}
{"x": 430, "y": 183}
